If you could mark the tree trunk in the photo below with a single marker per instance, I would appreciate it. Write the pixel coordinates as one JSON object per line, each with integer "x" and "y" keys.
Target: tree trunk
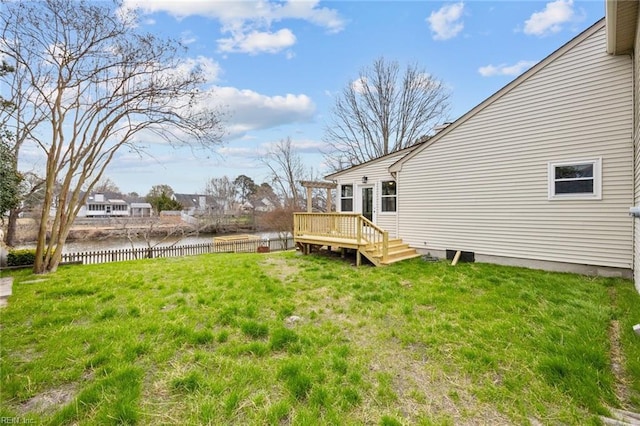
{"x": 12, "y": 224}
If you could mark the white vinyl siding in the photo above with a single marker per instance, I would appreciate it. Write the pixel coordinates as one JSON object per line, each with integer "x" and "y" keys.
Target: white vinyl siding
{"x": 636, "y": 133}
{"x": 483, "y": 186}
{"x": 376, "y": 172}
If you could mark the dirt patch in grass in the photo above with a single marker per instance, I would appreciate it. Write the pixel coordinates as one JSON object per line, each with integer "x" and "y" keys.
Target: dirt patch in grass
{"x": 420, "y": 391}
{"x": 617, "y": 364}
{"x": 280, "y": 268}
{"x": 423, "y": 391}
{"x": 49, "y": 400}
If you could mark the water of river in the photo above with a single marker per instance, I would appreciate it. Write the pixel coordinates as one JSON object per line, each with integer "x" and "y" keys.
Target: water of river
{"x": 123, "y": 243}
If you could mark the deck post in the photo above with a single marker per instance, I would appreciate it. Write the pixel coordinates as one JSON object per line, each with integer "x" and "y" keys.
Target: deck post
{"x": 358, "y": 257}
{"x": 385, "y": 246}
{"x": 309, "y": 206}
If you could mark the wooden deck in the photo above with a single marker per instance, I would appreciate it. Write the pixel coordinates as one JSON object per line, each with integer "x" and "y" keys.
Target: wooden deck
{"x": 349, "y": 231}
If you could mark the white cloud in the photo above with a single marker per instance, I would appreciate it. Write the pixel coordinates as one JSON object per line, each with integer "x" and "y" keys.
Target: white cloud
{"x": 358, "y": 85}
{"x": 249, "y": 22}
{"x": 237, "y": 151}
{"x": 249, "y": 110}
{"x": 550, "y": 20}
{"x": 302, "y": 146}
{"x": 210, "y": 68}
{"x": 446, "y": 23}
{"x": 309, "y": 10}
{"x": 257, "y": 42}
{"x": 503, "y": 69}
{"x": 187, "y": 37}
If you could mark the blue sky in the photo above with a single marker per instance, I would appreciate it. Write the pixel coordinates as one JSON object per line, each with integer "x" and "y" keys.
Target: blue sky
{"x": 276, "y": 66}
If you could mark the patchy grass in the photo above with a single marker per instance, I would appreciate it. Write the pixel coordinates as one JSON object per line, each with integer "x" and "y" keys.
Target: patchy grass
{"x": 285, "y": 339}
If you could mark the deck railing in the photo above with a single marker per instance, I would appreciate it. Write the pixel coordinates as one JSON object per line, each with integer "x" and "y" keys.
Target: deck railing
{"x": 350, "y": 226}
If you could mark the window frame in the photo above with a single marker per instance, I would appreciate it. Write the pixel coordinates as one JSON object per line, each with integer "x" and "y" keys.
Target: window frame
{"x": 383, "y": 196}
{"x": 343, "y": 198}
{"x": 597, "y": 180}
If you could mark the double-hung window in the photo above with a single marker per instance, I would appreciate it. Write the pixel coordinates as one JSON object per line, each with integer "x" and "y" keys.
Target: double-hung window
{"x": 389, "y": 196}
{"x": 346, "y": 198}
{"x": 575, "y": 180}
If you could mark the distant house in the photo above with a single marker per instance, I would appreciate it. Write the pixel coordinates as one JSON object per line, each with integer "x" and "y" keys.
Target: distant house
{"x": 101, "y": 205}
{"x": 262, "y": 205}
{"x": 112, "y": 204}
{"x": 194, "y": 204}
{"x": 140, "y": 209}
{"x": 541, "y": 174}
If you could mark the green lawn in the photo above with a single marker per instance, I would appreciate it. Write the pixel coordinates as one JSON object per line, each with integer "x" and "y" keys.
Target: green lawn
{"x": 286, "y": 339}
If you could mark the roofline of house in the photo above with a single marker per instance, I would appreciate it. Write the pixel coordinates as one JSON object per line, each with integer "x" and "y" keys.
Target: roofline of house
{"x": 611, "y": 17}
{"x": 397, "y": 166}
{"x": 621, "y": 17}
{"x": 408, "y": 149}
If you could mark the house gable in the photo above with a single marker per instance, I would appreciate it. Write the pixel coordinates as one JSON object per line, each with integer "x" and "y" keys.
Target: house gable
{"x": 598, "y": 26}
{"x": 375, "y": 163}
{"x": 482, "y": 184}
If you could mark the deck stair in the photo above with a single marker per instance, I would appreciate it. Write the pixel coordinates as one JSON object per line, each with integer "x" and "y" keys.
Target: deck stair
{"x": 349, "y": 231}
{"x": 398, "y": 251}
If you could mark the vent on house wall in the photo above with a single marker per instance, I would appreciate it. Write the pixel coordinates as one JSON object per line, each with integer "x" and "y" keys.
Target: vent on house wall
{"x": 465, "y": 256}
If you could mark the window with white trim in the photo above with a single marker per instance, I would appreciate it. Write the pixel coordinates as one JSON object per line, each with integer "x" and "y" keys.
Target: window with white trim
{"x": 388, "y": 197}
{"x": 346, "y": 198}
{"x": 575, "y": 180}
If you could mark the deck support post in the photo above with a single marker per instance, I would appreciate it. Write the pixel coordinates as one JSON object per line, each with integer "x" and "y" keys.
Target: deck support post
{"x": 309, "y": 205}
{"x": 358, "y": 257}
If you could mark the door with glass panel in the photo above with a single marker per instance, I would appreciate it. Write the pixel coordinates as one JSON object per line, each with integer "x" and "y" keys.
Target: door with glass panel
{"x": 367, "y": 202}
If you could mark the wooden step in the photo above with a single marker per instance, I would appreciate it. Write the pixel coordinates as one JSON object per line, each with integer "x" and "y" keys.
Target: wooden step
{"x": 393, "y": 255}
{"x": 393, "y": 244}
{"x": 400, "y": 259}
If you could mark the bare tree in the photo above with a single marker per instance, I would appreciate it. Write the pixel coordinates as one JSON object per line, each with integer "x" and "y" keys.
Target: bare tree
{"x": 106, "y": 185}
{"x": 286, "y": 171}
{"x": 382, "y": 112}
{"x": 91, "y": 83}
{"x": 224, "y": 192}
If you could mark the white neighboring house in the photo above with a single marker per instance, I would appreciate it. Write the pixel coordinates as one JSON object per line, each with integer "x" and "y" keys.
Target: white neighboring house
{"x": 540, "y": 174}
{"x": 193, "y": 204}
{"x": 98, "y": 205}
{"x": 141, "y": 209}
{"x": 262, "y": 205}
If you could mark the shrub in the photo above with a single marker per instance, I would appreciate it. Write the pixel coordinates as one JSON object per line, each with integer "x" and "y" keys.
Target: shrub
{"x": 21, "y": 257}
